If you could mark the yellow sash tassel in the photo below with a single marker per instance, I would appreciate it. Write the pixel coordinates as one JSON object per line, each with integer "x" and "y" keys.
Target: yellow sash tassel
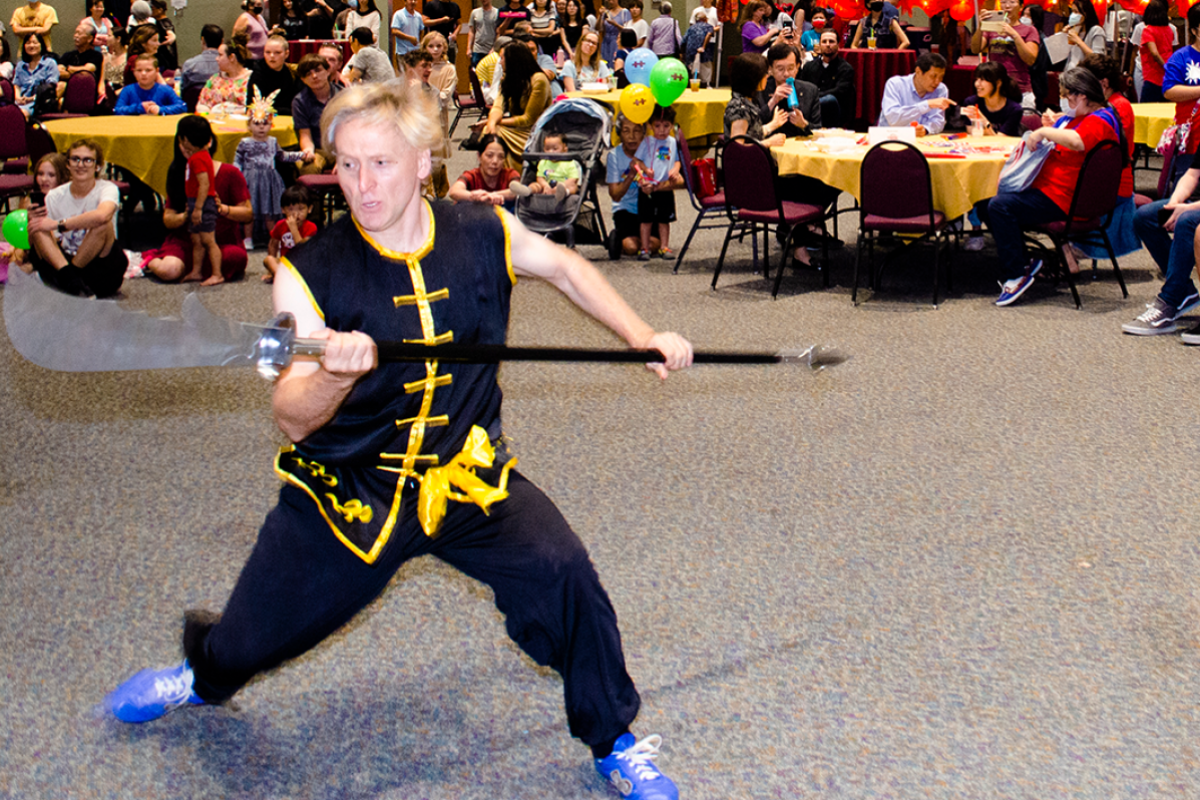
{"x": 459, "y": 473}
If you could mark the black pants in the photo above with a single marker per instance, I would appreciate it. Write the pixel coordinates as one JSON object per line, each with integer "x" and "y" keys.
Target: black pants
{"x": 301, "y": 584}
{"x": 102, "y": 276}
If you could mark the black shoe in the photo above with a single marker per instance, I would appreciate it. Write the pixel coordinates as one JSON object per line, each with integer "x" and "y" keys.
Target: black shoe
{"x": 614, "y": 246}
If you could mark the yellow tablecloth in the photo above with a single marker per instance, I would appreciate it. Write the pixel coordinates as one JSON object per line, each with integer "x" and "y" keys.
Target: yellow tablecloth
{"x": 958, "y": 183}
{"x": 1150, "y": 120}
{"x": 146, "y": 145}
{"x": 698, "y": 114}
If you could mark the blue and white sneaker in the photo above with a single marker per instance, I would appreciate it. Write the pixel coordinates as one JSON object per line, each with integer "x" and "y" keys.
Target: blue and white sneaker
{"x": 151, "y": 693}
{"x": 1011, "y": 290}
{"x": 1189, "y": 304}
{"x": 631, "y": 771}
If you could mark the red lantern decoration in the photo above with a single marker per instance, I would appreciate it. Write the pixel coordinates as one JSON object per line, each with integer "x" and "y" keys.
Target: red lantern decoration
{"x": 961, "y": 12}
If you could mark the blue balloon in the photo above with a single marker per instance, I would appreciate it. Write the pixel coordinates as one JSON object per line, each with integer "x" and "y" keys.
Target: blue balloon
{"x": 638, "y": 64}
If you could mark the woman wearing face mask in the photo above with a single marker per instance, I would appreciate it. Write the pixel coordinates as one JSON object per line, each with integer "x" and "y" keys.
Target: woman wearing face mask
{"x": 1015, "y": 47}
{"x": 251, "y": 22}
{"x": 1049, "y": 198}
{"x": 884, "y": 29}
{"x": 1084, "y": 32}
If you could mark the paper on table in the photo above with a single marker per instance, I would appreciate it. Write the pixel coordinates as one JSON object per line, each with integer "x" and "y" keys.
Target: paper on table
{"x": 1057, "y": 47}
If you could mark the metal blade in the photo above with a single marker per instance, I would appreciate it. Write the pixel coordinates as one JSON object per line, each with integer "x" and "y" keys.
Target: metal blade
{"x": 815, "y": 357}
{"x": 75, "y": 334}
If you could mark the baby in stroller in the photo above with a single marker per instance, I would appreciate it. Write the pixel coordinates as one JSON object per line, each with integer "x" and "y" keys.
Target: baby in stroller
{"x": 560, "y": 178}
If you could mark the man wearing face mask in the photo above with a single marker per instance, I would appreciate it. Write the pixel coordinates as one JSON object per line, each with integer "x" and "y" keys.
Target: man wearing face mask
{"x": 920, "y": 99}
{"x": 834, "y": 78}
{"x": 1015, "y": 48}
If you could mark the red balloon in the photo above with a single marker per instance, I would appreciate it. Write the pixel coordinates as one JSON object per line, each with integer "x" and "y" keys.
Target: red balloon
{"x": 962, "y": 12}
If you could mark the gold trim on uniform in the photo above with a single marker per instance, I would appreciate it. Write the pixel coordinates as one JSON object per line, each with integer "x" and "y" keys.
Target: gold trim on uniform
{"x": 303, "y": 285}
{"x": 508, "y": 262}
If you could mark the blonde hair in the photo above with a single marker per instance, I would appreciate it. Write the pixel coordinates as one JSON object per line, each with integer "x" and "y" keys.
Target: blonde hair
{"x": 411, "y": 110}
{"x": 433, "y": 36}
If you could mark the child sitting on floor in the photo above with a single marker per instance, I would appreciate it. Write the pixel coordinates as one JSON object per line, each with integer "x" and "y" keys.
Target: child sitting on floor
{"x": 292, "y": 231}
{"x": 660, "y": 173}
{"x": 560, "y": 178}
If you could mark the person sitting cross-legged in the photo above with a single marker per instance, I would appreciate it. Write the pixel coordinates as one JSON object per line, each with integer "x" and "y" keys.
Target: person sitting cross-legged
{"x": 73, "y": 238}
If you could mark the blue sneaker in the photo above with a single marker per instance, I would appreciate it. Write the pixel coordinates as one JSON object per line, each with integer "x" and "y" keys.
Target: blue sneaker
{"x": 631, "y": 771}
{"x": 1011, "y": 290}
{"x": 152, "y": 693}
{"x": 1189, "y": 304}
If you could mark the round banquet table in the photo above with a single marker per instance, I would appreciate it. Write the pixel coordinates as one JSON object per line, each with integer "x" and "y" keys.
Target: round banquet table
{"x": 299, "y": 48}
{"x": 146, "y": 145}
{"x": 1150, "y": 120}
{"x": 872, "y": 68}
{"x": 958, "y": 183}
{"x": 699, "y": 114}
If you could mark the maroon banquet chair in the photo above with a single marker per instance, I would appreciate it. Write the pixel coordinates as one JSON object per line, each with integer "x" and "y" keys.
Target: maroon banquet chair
{"x": 191, "y": 96}
{"x": 79, "y": 98}
{"x": 704, "y": 206}
{"x": 753, "y": 203}
{"x": 1164, "y": 177}
{"x": 1092, "y": 207}
{"x": 14, "y": 148}
{"x": 7, "y": 93}
{"x": 473, "y": 103}
{"x": 897, "y": 198}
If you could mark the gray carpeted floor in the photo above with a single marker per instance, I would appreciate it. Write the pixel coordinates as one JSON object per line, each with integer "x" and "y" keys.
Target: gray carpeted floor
{"x": 961, "y": 565}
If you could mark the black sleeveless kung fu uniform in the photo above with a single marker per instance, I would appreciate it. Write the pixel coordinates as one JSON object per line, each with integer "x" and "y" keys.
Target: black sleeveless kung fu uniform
{"x": 346, "y": 518}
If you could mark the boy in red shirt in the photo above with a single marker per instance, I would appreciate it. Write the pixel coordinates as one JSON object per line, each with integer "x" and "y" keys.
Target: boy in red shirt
{"x": 293, "y": 230}
{"x": 200, "y": 186}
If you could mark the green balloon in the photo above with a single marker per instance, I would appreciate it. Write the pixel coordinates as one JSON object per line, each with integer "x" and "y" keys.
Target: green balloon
{"x": 16, "y": 229}
{"x": 668, "y": 79}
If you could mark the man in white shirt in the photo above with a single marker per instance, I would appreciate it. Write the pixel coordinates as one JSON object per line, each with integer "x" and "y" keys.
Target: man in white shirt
{"x": 73, "y": 237}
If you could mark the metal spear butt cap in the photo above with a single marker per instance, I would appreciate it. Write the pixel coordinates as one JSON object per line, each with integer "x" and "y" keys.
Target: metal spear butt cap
{"x": 273, "y": 350}
{"x": 815, "y": 357}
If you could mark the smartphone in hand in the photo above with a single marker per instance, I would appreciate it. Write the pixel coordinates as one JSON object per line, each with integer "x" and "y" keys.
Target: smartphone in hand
{"x": 37, "y": 198}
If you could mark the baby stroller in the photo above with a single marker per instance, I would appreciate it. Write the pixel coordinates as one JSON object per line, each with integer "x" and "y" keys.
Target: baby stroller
{"x": 587, "y": 128}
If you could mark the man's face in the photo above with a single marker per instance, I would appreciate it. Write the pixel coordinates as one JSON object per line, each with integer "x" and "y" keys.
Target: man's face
{"x": 632, "y": 135}
{"x": 533, "y": 48}
{"x": 81, "y": 161}
{"x": 424, "y": 70}
{"x": 380, "y": 174}
{"x": 274, "y": 54}
{"x": 828, "y": 46}
{"x": 784, "y": 68}
{"x": 1010, "y": 7}
{"x": 146, "y": 73}
{"x": 410, "y": 5}
{"x": 317, "y": 79}
{"x": 333, "y": 57}
{"x": 84, "y": 37}
{"x": 926, "y": 82}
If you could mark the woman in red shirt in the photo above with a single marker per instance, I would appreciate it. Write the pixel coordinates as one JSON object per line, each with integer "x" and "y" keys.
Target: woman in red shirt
{"x": 487, "y": 183}
{"x": 1049, "y": 198}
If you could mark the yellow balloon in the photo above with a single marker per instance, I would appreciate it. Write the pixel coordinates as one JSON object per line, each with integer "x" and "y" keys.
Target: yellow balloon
{"x": 637, "y": 103}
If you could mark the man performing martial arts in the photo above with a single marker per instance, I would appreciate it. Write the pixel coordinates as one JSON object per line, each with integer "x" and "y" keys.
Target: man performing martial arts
{"x": 397, "y": 460}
